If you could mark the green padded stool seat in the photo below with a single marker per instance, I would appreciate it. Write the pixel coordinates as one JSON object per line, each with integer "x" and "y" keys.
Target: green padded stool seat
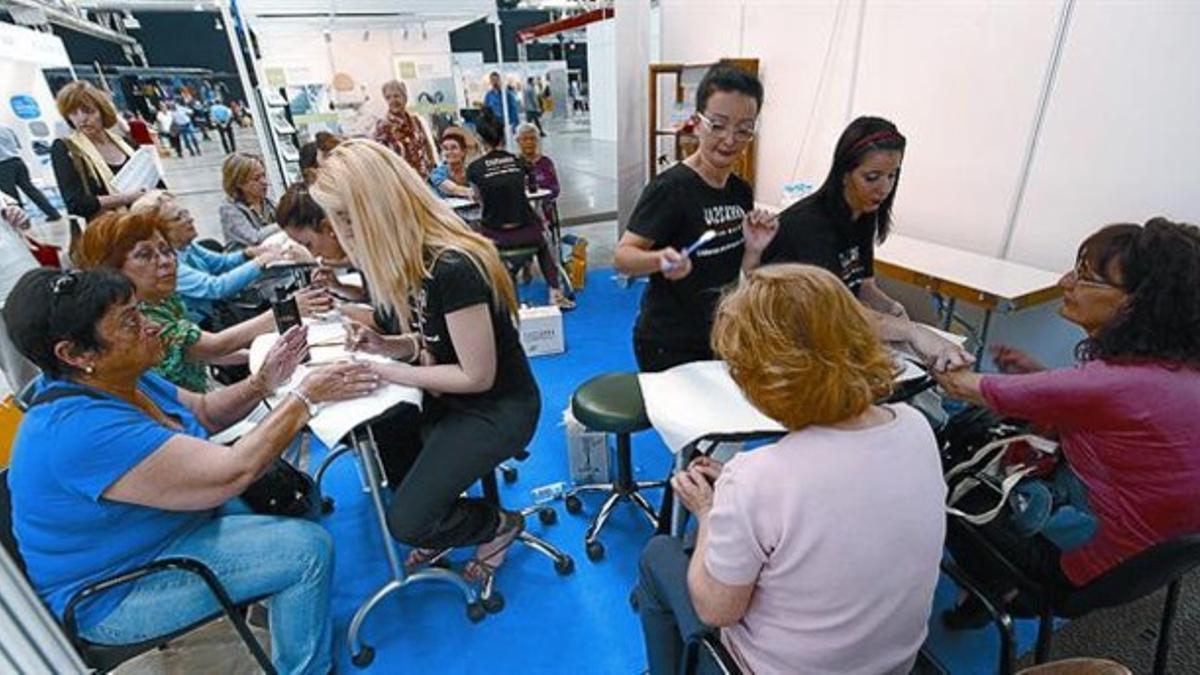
{"x": 612, "y": 403}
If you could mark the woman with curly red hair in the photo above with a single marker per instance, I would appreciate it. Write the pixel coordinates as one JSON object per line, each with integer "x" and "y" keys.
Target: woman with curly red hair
{"x": 819, "y": 553}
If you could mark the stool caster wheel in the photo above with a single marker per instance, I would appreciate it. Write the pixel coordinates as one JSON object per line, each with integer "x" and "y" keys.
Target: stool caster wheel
{"x": 595, "y": 551}
{"x": 364, "y": 657}
{"x": 564, "y": 566}
{"x": 509, "y": 473}
{"x": 573, "y": 503}
{"x": 476, "y": 612}
{"x": 493, "y": 603}
{"x": 548, "y": 516}
{"x": 633, "y": 601}
{"x": 326, "y": 506}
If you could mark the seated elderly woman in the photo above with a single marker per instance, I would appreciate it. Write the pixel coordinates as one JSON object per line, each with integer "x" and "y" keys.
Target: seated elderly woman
{"x": 203, "y": 276}
{"x": 811, "y": 555}
{"x": 247, "y": 216}
{"x": 449, "y": 179}
{"x": 81, "y": 515}
{"x": 1125, "y": 417}
{"x": 545, "y": 176}
{"x": 134, "y": 245}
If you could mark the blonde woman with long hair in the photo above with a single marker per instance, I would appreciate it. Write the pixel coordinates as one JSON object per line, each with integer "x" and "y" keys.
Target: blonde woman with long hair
{"x": 819, "y": 553}
{"x": 447, "y": 301}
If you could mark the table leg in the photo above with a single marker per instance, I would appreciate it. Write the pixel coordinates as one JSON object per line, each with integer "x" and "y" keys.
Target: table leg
{"x": 981, "y": 348}
{"x": 947, "y": 309}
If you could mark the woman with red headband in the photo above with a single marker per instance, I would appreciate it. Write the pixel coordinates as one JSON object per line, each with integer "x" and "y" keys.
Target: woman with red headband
{"x": 838, "y": 226}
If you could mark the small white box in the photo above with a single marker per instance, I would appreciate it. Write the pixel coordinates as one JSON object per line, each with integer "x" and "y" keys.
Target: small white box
{"x": 542, "y": 330}
{"x": 587, "y": 452}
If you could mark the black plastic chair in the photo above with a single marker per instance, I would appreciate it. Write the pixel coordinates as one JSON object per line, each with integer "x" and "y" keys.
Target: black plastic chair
{"x": 104, "y": 658}
{"x": 1164, "y": 564}
{"x": 707, "y": 645}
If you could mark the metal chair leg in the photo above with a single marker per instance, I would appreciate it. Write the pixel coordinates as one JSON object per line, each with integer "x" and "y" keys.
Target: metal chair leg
{"x": 1045, "y": 635}
{"x": 645, "y": 508}
{"x": 1162, "y": 651}
{"x": 593, "y": 530}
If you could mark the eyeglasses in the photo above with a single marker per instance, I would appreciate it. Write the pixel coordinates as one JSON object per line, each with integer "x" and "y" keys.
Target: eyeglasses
{"x": 148, "y": 255}
{"x": 1082, "y": 277}
{"x": 741, "y": 134}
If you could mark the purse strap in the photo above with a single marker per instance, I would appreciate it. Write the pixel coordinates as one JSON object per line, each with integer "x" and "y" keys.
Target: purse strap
{"x": 991, "y": 456}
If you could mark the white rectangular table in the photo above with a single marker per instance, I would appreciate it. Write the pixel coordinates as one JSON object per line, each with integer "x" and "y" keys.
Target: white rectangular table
{"x": 951, "y": 275}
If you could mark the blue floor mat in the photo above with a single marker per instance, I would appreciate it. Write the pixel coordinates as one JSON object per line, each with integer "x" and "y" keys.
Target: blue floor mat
{"x": 577, "y": 624}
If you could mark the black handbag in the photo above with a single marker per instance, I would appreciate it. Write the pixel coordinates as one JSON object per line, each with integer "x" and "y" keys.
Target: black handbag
{"x": 282, "y": 490}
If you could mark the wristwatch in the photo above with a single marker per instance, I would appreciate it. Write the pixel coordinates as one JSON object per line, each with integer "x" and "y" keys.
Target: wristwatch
{"x": 309, "y": 405}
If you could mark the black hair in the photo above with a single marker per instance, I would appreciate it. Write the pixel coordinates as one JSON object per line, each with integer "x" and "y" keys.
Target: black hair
{"x": 728, "y": 79}
{"x": 308, "y": 157}
{"x": 297, "y": 208}
{"x": 1159, "y": 267}
{"x": 862, "y": 137}
{"x": 47, "y": 306}
{"x": 490, "y": 128}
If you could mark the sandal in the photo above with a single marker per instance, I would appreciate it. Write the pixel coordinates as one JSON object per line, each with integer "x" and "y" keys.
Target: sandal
{"x": 480, "y": 569}
{"x": 562, "y": 302}
{"x": 423, "y": 557}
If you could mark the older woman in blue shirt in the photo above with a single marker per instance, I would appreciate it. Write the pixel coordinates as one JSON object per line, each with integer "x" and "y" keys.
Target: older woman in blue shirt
{"x": 118, "y": 471}
{"x": 205, "y": 276}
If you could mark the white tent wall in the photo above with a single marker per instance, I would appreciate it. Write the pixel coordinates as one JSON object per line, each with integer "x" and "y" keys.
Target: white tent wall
{"x": 602, "y": 79}
{"x": 963, "y": 80}
{"x": 1121, "y": 135}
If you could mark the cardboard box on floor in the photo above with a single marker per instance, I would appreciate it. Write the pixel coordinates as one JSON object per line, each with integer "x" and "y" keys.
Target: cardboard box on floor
{"x": 542, "y": 330}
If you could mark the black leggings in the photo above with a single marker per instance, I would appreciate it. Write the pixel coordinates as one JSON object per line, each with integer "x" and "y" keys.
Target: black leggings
{"x": 653, "y": 357}
{"x": 456, "y": 448}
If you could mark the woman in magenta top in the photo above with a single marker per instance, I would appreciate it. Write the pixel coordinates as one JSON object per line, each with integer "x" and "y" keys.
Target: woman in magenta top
{"x": 1125, "y": 416}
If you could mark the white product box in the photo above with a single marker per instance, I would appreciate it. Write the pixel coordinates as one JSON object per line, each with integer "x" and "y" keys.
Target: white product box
{"x": 587, "y": 452}
{"x": 542, "y": 330}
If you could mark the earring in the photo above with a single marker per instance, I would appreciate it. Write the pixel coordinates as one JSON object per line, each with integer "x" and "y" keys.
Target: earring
{"x": 89, "y": 370}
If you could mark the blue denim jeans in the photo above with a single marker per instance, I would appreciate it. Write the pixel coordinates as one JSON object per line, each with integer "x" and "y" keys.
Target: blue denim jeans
{"x": 289, "y": 561}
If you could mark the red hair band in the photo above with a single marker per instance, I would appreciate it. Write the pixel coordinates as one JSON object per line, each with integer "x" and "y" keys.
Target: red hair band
{"x": 877, "y": 137}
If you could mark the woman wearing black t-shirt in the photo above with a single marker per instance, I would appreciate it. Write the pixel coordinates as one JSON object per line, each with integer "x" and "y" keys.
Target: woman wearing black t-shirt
{"x": 450, "y": 292}
{"x": 681, "y": 204}
{"x": 499, "y": 179}
{"x": 838, "y": 226}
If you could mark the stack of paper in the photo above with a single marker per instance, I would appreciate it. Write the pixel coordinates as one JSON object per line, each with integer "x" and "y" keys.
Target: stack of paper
{"x": 141, "y": 172}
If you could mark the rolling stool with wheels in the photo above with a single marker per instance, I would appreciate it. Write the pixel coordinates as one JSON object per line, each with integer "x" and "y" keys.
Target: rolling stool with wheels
{"x": 362, "y": 444}
{"x": 612, "y": 403}
{"x": 563, "y": 564}
{"x": 516, "y": 257}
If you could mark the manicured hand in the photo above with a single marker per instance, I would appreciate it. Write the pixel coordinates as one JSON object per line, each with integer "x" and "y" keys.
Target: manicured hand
{"x": 940, "y": 354}
{"x": 693, "y": 490}
{"x": 758, "y": 230}
{"x": 282, "y": 358}
{"x": 707, "y": 467}
{"x": 16, "y": 217}
{"x": 360, "y": 338}
{"x": 1012, "y": 360}
{"x": 339, "y": 381}
{"x": 314, "y": 301}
